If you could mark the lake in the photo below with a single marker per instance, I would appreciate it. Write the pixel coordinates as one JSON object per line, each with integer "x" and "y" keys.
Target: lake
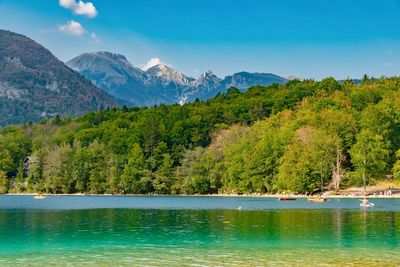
{"x": 196, "y": 231}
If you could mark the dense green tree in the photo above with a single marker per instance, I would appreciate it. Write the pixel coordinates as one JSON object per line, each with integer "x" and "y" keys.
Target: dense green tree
{"x": 369, "y": 155}
{"x": 267, "y": 139}
{"x": 191, "y": 176}
{"x": 15, "y": 144}
{"x": 20, "y": 182}
{"x": 396, "y": 167}
{"x": 159, "y": 154}
{"x": 275, "y": 135}
{"x": 57, "y": 170}
{"x": 164, "y": 176}
{"x": 34, "y": 180}
{"x": 81, "y": 168}
{"x": 329, "y": 85}
{"x": 134, "y": 172}
{"x": 308, "y": 161}
{"x": 6, "y": 162}
{"x": 4, "y": 183}
{"x": 99, "y": 169}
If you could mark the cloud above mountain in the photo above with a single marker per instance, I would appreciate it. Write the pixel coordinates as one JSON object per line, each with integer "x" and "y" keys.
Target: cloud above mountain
{"x": 80, "y": 8}
{"x": 72, "y": 28}
{"x": 152, "y": 62}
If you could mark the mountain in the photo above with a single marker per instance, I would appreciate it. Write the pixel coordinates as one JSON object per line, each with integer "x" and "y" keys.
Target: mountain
{"x": 158, "y": 84}
{"x": 208, "y": 80}
{"x": 118, "y": 77}
{"x": 173, "y": 82}
{"x": 35, "y": 85}
{"x": 114, "y": 74}
{"x": 168, "y": 75}
{"x": 205, "y": 87}
{"x": 244, "y": 80}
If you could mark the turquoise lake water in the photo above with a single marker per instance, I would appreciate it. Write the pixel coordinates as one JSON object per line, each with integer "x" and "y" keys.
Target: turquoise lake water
{"x": 196, "y": 231}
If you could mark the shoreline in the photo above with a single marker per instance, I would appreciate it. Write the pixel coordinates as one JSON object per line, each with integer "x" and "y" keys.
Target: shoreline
{"x": 397, "y": 196}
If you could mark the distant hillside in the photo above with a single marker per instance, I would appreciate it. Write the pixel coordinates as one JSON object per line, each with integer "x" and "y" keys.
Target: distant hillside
{"x": 35, "y": 85}
{"x": 243, "y": 80}
{"x": 160, "y": 84}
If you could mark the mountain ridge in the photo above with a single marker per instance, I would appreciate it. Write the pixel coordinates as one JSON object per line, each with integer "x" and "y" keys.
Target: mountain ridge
{"x": 35, "y": 85}
{"x": 160, "y": 83}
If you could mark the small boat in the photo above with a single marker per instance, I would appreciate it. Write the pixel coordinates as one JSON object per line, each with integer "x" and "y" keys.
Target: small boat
{"x": 39, "y": 197}
{"x": 369, "y": 205}
{"x": 287, "y": 198}
{"x": 317, "y": 199}
{"x": 366, "y": 204}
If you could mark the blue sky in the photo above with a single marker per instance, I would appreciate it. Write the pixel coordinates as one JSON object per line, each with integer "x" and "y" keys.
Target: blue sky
{"x": 309, "y": 38}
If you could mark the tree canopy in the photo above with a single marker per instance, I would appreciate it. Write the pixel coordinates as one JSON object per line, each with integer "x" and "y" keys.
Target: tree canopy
{"x": 303, "y": 136}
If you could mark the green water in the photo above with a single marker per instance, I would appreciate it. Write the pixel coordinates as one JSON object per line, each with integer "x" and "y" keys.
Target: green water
{"x": 200, "y": 237}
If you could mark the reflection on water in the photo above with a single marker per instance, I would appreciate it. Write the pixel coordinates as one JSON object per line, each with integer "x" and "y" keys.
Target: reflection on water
{"x": 208, "y": 237}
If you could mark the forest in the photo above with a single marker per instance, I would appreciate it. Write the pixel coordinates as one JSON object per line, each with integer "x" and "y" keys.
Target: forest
{"x": 299, "y": 137}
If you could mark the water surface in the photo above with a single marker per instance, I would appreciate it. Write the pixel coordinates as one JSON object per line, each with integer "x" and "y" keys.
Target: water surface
{"x": 196, "y": 231}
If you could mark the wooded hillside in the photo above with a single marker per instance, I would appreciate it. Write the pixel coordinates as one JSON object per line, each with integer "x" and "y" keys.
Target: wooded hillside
{"x": 280, "y": 138}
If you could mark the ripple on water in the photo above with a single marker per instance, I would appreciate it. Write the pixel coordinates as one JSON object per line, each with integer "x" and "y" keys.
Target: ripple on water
{"x": 188, "y": 257}
{"x": 129, "y": 237}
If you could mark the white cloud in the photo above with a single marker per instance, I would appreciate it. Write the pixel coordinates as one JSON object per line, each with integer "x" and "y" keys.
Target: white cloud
{"x": 67, "y": 3}
{"x": 152, "y": 62}
{"x": 80, "y": 7}
{"x": 72, "y": 28}
{"x": 86, "y": 9}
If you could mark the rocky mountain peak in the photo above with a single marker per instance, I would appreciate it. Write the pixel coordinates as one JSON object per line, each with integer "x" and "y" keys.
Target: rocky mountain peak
{"x": 160, "y": 83}
{"x": 99, "y": 60}
{"x": 208, "y": 79}
{"x": 167, "y": 74}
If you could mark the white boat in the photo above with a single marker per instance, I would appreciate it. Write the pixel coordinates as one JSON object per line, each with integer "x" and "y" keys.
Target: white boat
{"x": 39, "y": 197}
